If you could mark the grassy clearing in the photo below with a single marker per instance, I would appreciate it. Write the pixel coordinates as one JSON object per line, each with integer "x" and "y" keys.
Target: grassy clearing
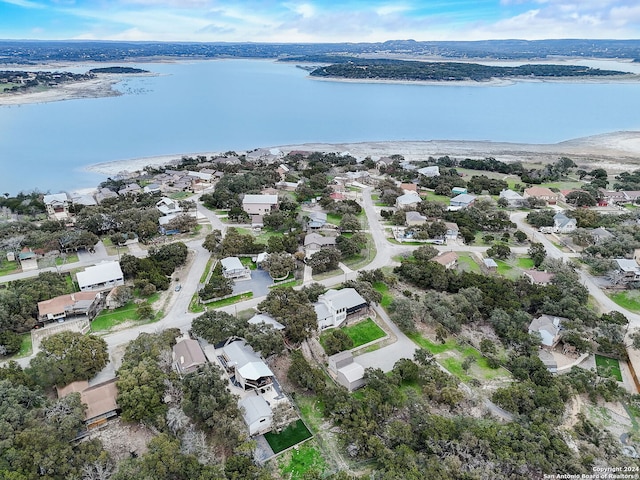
{"x": 230, "y": 301}
{"x": 248, "y": 262}
{"x": 180, "y": 195}
{"x": 324, "y": 275}
{"x": 364, "y": 332}
{"x": 73, "y": 258}
{"x": 194, "y": 305}
{"x": 383, "y": 289}
{"x": 567, "y": 185}
{"x": 7, "y": 86}
{"x": 429, "y": 195}
{"x": 312, "y": 411}
{"x": 299, "y": 462}
{"x": 525, "y": 263}
{"x": 467, "y": 263}
{"x": 290, "y": 436}
{"x": 628, "y": 299}
{"x": 291, "y": 283}
{"x": 203, "y": 277}
{"x": 356, "y": 262}
{"x": 127, "y": 313}
{"x": 26, "y": 346}
{"x": 334, "y": 218}
{"x": 608, "y": 367}
{"x": 7, "y": 268}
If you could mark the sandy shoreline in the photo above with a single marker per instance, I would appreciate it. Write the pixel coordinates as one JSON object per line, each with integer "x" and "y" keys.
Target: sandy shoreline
{"x": 616, "y": 151}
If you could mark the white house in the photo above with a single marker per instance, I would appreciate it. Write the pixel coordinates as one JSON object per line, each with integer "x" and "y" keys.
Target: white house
{"x": 168, "y": 206}
{"x": 408, "y": 200}
{"x": 564, "y": 224}
{"x": 463, "y": 200}
{"x": 264, "y": 319}
{"x": 257, "y": 414}
{"x": 57, "y": 205}
{"x": 259, "y": 204}
{"x": 548, "y": 327}
{"x": 429, "y": 171}
{"x": 452, "y": 230}
{"x": 629, "y": 269}
{"x": 233, "y": 268}
{"x": 105, "y": 275}
{"x": 514, "y": 199}
{"x": 349, "y": 373}
{"x": 247, "y": 367}
{"x": 334, "y": 306}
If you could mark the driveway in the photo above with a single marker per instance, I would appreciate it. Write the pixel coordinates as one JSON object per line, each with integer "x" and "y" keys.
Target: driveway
{"x": 259, "y": 283}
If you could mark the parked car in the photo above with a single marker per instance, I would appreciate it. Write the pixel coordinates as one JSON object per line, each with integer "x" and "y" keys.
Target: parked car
{"x": 178, "y": 287}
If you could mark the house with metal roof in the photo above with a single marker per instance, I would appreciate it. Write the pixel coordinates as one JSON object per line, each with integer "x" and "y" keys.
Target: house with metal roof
{"x": 233, "y": 268}
{"x": 408, "y": 200}
{"x": 168, "y": 206}
{"x": 514, "y": 199}
{"x": 628, "y": 269}
{"x": 103, "y": 276}
{"x": 564, "y": 224}
{"x": 265, "y": 319}
{"x": 335, "y": 306}
{"x": 317, "y": 219}
{"x": 433, "y": 171}
{"x": 257, "y": 414}
{"x": 347, "y": 371}
{"x": 259, "y": 204}
{"x": 463, "y": 200}
{"x": 246, "y": 368}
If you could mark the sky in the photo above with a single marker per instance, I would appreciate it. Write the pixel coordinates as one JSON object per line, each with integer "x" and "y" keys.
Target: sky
{"x": 317, "y": 20}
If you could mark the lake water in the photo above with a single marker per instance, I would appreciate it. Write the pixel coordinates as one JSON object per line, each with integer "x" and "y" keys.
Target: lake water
{"x": 246, "y": 104}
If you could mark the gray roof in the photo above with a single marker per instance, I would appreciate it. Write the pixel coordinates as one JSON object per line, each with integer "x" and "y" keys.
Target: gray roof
{"x": 430, "y": 171}
{"x": 312, "y": 238}
{"x": 561, "y": 220}
{"x": 408, "y": 199}
{"x": 254, "y": 408}
{"x": 246, "y": 362}
{"x": 601, "y": 233}
{"x": 318, "y": 217}
{"x": 490, "y": 262}
{"x": 463, "y": 198}
{"x": 352, "y": 372}
{"x": 231, "y": 263}
{"x": 415, "y": 217}
{"x": 322, "y": 311}
{"x": 188, "y": 354}
{"x": 101, "y": 273}
{"x": 55, "y": 198}
{"x": 269, "y": 199}
{"x": 510, "y": 195}
{"x": 546, "y": 323}
{"x": 263, "y": 318}
{"x": 627, "y": 265}
{"x": 345, "y": 298}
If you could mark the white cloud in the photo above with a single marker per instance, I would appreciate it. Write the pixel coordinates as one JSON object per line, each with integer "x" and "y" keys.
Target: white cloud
{"x": 23, "y": 3}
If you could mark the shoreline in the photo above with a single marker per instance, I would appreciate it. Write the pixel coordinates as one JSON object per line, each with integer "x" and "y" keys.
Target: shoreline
{"x": 615, "y": 151}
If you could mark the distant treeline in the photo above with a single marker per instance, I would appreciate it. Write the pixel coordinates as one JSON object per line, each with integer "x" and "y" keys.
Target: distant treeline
{"x": 15, "y": 81}
{"x": 118, "y": 70}
{"x": 450, "y": 71}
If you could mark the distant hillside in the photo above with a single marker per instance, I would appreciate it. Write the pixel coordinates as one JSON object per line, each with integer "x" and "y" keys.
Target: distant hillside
{"x": 450, "y": 71}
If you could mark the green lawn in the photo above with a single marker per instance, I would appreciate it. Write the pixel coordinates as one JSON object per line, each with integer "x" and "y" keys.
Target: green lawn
{"x": 230, "y": 301}
{"x": 26, "y": 346}
{"x": 110, "y": 318}
{"x": 324, "y": 275}
{"x": 312, "y": 410}
{"x": 467, "y": 263}
{"x": 180, "y": 195}
{"x": 387, "y": 298}
{"x": 334, "y": 218}
{"x": 364, "y": 332}
{"x": 307, "y": 458}
{"x": 70, "y": 258}
{"x": 290, "y": 283}
{"x": 429, "y": 195}
{"x": 290, "y": 436}
{"x": 525, "y": 263}
{"x": 7, "y": 268}
{"x": 248, "y": 262}
{"x": 629, "y": 299}
{"x": 194, "y": 305}
{"x": 608, "y": 366}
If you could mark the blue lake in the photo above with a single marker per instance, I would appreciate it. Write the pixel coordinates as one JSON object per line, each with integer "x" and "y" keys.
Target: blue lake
{"x": 246, "y": 104}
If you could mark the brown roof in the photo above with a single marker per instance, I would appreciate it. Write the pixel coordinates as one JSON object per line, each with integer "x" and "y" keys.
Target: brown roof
{"x": 78, "y": 386}
{"x": 57, "y": 305}
{"x": 445, "y": 258}
{"x": 99, "y": 399}
{"x": 540, "y": 192}
{"x": 188, "y": 355}
{"x": 409, "y": 186}
{"x": 539, "y": 277}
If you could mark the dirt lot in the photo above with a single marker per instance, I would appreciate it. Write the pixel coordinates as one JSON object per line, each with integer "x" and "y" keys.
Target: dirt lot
{"x": 122, "y": 439}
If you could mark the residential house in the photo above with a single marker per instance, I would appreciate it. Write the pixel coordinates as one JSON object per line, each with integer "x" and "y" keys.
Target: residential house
{"x": 99, "y": 399}
{"x": 57, "y": 205}
{"x": 600, "y": 234}
{"x": 538, "y": 277}
{"x": 452, "y": 230}
{"x": 28, "y": 260}
{"x": 104, "y": 194}
{"x": 317, "y": 219}
{"x": 631, "y": 196}
{"x": 187, "y": 356}
{"x": 248, "y": 370}
{"x": 85, "y": 200}
{"x": 564, "y": 224}
{"x": 408, "y": 200}
{"x": 265, "y": 319}
{"x": 447, "y": 259}
{"x": 548, "y": 360}
{"x": 233, "y": 268}
{"x": 429, "y": 171}
{"x": 130, "y": 189}
{"x": 103, "y": 276}
{"x": 79, "y": 304}
{"x": 259, "y": 204}
{"x": 384, "y": 162}
{"x": 337, "y": 196}
{"x": 415, "y": 218}
{"x": 167, "y": 206}
{"x": 514, "y": 199}
{"x": 257, "y": 414}
{"x": 629, "y": 270}
{"x": 335, "y": 306}
{"x": 542, "y": 193}
{"x": 490, "y": 264}
{"x": 264, "y": 155}
{"x": 458, "y": 190}
{"x": 409, "y": 187}
{"x": 314, "y": 242}
{"x": 347, "y": 371}
{"x": 548, "y": 327}
{"x": 283, "y": 170}
{"x": 612, "y": 196}
{"x": 463, "y": 200}
{"x": 407, "y": 165}
{"x": 151, "y": 188}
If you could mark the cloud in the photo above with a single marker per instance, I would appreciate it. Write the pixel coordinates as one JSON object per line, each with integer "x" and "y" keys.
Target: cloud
{"x": 23, "y": 3}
